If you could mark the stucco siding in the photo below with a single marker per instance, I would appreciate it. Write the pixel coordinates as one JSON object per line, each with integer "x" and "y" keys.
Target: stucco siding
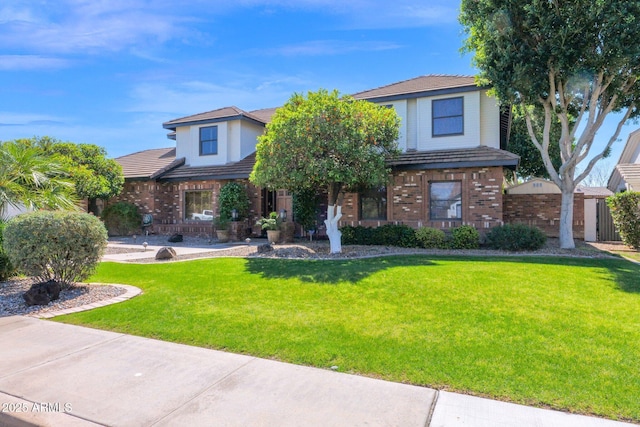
{"x": 489, "y": 121}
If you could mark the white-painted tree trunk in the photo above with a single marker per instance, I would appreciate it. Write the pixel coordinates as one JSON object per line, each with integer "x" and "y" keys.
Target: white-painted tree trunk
{"x": 334, "y": 213}
{"x": 566, "y": 220}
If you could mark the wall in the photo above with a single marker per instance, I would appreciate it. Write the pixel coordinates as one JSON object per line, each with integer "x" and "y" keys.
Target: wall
{"x": 543, "y": 211}
{"x": 165, "y": 201}
{"x": 408, "y": 199}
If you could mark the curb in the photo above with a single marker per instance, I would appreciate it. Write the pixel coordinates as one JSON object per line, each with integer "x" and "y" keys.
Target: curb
{"x": 131, "y": 291}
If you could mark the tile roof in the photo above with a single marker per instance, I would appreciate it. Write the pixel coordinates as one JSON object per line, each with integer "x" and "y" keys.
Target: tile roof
{"x": 456, "y": 158}
{"x": 417, "y": 85}
{"x": 594, "y": 191}
{"x": 147, "y": 163}
{"x": 237, "y": 170}
{"x": 214, "y": 115}
{"x": 630, "y": 173}
{"x": 264, "y": 114}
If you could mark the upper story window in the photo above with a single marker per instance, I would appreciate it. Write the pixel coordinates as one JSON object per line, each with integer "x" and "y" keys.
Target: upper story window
{"x": 445, "y": 200}
{"x": 209, "y": 140}
{"x": 448, "y": 116}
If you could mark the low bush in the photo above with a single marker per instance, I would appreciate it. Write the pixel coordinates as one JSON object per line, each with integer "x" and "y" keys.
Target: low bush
{"x": 6, "y": 268}
{"x": 61, "y": 246}
{"x": 389, "y": 235}
{"x": 429, "y": 238}
{"x": 464, "y": 237}
{"x": 122, "y": 219}
{"x": 516, "y": 237}
{"x": 625, "y": 210}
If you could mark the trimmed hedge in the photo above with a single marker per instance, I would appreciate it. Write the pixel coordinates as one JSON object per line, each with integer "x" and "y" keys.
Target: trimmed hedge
{"x": 431, "y": 238}
{"x": 464, "y": 237}
{"x": 386, "y": 235}
{"x": 122, "y": 219}
{"x": 6, "y": 268}
{"x": 232, "y": 196}
{"x": 516, "y": 237}
{"x": 61, "y": 246}
{"x": 625, "y": 210}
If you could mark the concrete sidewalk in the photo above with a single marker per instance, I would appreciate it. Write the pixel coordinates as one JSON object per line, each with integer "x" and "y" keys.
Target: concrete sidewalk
{"x": 139, "y": 253}
{"x": 62, "y": 375}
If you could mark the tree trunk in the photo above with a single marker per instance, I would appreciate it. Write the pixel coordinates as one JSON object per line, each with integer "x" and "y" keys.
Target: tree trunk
{"x": 335, "y": 235}
{"x": 566, "y": 219}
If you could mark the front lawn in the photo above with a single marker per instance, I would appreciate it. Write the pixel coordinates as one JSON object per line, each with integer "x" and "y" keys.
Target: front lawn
{"x": 557, "y": 332}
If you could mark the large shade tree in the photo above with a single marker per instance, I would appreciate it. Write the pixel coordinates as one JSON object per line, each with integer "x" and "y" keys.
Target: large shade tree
{"x": 94, "y": 174}
{"x": 329, "y": 142}
{"x": 575, "y": 59}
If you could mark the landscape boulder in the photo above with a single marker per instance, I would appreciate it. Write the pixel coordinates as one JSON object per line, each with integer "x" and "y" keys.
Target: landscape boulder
{"x": 175, "y": 238}
{"x": 264, "y": 248}
{"x": 166, "y": 252}
{"x": 42, "y": 293}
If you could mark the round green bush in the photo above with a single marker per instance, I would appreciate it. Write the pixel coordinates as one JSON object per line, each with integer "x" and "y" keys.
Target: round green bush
{"x": 122, "y": 219}
{"x": 465, "y": 237}
{"x": 428, "y": 237}
{"x": 625, "y": 210}
{"x": 232, "y": 196}
{"x": 61, "y": 246}
{"x": 516, "y": 237}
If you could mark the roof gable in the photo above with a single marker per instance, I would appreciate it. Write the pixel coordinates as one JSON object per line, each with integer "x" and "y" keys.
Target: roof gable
{"x": 429, "y": 85}
{"x": 214, "y": 116}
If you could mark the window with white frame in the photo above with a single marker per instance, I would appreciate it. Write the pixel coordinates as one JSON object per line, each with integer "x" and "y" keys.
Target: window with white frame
{"x": 445, "y": 200}
{"x": 447, "y": 116}
{"x": 208, "y": 140}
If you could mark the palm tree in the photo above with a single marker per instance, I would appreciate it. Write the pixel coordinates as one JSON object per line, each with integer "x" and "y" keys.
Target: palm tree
{"x": 32, "y": 179}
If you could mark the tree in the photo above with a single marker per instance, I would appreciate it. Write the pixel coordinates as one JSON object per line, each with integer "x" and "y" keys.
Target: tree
{"x": 575, "y": 58}
{"x": 95, "y": 176}
{"x": 31, "y": 179}
{"x": 325, "y": 141}
{"x": 531, "y": 164}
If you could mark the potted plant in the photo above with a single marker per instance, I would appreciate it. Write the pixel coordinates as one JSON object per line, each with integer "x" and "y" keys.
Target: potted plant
{"x": 221, "y": 225}
{"x": 272, "y": 226}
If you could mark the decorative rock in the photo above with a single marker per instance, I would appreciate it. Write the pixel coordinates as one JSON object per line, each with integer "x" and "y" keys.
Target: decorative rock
{"x": 175, "y": 238}
{"x": 42, "y": 293}
{"x": 264, "y": 248}
{"x": 166, "y": 252}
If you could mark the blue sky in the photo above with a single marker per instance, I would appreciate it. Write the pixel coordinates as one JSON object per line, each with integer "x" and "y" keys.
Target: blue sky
{"x": 110, "y": 72}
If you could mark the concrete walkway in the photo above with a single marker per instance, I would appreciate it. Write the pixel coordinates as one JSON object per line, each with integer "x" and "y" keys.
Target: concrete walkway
{"x": 54, "y": 374}
{"x": 151, "y": 251}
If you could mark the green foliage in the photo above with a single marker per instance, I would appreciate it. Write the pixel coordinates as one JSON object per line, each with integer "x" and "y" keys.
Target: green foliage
{"x": 30, "y": 178}
{"x": 61, "y": 246}
{"x": 464, "y": 237}
{"x": 516, "y": 237}
{"x": 122, "y": 219}
{"x": 428, "y": 237}
{"x": 232, "y": 196}
{"x": 221, "y": 223}
{"x": 305, "y": 208}
{"x": 531, "y": 164}
{"x": 325, "y": 141}
{"x": 6, "y": 268}
{"x": 625, "y": 210}
{"x": 95, "y": 176}
{"x": 270, "y": 223}
{"x": 385, "y": 235}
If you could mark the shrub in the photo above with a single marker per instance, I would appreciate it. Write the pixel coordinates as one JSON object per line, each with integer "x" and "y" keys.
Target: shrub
{"x": 122, "y": 219}
{"x": 428, "y": 237}
{"x": 61, "y": 246}
{"x": 516, "y": 237}
{"x": 6, "y": 268}
{"x": 389, "y": 235}
{"x": 305, "y": 208}
{"x": 625, "y": 210}
{"x": 464, "y": 237}
{"x": 233, "y": 196}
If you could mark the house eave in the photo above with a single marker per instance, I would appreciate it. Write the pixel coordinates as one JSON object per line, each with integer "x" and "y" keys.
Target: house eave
{"x": 174, "y": 126}
{"x": 424, "y": 94}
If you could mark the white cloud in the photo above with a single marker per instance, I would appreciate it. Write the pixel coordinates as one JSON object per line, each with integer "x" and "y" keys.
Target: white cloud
{"x": 329, "y": 47}
{"x": 31, "y": 62}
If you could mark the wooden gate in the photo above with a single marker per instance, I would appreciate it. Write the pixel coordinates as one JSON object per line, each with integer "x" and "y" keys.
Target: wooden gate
{"x": 606, "y": 230}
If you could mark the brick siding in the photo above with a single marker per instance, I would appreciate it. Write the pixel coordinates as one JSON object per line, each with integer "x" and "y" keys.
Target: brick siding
{"x": 543, "y": 211}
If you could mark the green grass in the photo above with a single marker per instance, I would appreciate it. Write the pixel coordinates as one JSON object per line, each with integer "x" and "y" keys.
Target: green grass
{"x": 556, "y": 332}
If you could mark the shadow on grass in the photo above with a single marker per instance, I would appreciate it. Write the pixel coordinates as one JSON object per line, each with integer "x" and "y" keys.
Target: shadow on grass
{"x": 329, "y": 271}
{"x": 626, "y": 274}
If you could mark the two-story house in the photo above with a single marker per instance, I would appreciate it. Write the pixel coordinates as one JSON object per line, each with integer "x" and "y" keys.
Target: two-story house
{"x": 626, "y": 174}
{"x": 453, "y": 139}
